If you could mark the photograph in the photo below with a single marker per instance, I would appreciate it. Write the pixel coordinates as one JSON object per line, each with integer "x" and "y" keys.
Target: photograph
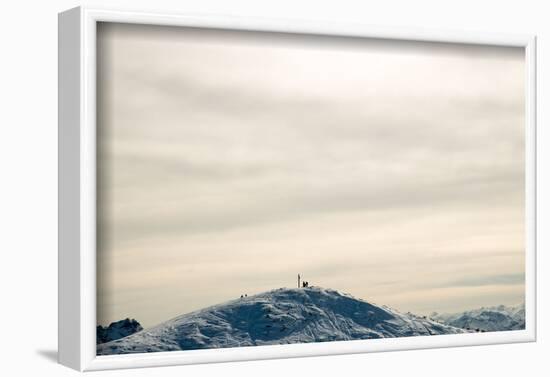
{"x": 261, "y": 188}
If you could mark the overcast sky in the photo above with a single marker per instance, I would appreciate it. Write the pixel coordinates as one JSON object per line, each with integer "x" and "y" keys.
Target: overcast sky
{"x": 231, "y": 161}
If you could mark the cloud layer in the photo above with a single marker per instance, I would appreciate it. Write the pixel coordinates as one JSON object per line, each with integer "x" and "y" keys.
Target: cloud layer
{"x": 231, "y": 161}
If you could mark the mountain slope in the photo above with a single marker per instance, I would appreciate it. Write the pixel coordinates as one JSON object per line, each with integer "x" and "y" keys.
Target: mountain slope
{"x": 280, "y": 316}
{"x": 495, "y": 318}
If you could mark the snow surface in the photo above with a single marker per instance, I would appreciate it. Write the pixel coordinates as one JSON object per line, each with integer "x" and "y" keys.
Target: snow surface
{"x": 495, "y": 318}
{"x": 282, "y": 316}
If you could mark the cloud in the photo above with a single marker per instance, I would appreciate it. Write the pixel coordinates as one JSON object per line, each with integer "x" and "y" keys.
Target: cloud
{"x": 504, "y": 279}
{"x": 365, "y": 164}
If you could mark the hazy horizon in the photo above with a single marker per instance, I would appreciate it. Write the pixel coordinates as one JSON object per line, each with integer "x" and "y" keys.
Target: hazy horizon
{"x": 229, "y": 162}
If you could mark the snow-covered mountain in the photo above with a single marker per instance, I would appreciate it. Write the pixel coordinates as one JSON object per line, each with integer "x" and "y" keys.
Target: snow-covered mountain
{"x": 280, "y": 316}
{"x": 495, "y": 318}
{"x": 117, "y": 330}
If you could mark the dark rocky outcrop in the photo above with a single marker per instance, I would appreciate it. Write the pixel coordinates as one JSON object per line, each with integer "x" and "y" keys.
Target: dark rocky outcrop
{"x": 117, "y": 330}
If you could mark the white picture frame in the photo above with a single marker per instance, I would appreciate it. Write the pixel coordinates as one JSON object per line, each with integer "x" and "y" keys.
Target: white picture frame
{"x": 77, "y": 189}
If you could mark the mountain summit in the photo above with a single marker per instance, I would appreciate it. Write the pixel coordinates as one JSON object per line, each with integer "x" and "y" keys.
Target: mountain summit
{"x": 281, "y": 316}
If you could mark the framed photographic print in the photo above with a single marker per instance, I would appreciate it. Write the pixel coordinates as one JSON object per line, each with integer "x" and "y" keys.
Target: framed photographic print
{"x": 243, "y": 189}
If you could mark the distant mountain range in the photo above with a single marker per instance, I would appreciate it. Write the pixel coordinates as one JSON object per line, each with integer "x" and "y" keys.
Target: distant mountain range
{"x": 281, "y": 316}
{"x": 495, "y": 318}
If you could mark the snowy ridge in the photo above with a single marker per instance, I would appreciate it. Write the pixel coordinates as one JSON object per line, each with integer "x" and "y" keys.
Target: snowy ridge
{"x": 495, "y": 318}
{"x": 280, "y": 316}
